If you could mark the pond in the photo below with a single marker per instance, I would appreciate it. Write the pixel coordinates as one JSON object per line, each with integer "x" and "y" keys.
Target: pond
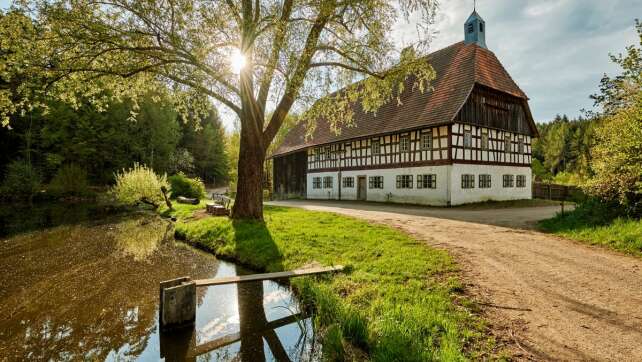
{"x": 89, "y": 290}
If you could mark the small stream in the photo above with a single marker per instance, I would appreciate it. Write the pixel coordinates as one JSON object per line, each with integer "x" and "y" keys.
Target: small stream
{"x": 79, "y": 284}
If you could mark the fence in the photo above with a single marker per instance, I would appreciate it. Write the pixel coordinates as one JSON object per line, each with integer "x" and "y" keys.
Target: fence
{"x": 555, "y": 192}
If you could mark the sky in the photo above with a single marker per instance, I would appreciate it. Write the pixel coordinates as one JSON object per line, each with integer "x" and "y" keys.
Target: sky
{"x": 556, "y": 50}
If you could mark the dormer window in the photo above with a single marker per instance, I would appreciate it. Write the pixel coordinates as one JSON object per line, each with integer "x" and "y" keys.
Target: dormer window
{"x": 471, "y": 28}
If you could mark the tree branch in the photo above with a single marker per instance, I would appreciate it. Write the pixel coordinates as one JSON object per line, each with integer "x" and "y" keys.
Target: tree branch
{"x": 294, "y": 84}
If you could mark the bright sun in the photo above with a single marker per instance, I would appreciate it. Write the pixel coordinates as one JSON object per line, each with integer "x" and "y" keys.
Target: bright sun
{"x": 237, "y": 61}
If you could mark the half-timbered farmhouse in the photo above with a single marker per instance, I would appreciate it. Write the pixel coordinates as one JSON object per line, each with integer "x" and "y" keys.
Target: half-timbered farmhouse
{"x": 466, "y": 140}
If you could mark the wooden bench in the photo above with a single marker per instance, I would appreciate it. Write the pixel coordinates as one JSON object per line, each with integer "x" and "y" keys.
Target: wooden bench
{"x": 221, "y": 205}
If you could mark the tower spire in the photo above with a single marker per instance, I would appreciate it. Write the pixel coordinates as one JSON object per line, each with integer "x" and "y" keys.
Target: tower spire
{"x": 475, "y": 29}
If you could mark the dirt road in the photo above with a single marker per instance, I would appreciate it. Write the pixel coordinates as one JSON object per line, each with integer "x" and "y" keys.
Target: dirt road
{"x": 559, "y": 299}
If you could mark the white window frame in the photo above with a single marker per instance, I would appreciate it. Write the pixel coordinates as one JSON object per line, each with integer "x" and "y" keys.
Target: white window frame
{"x": 520, "y": 145}
{"x": 327, "y": 182}
{"x": 467, "y": 181}
{"x": 426, "y": 141}
{"x": 468, "y": 139}
{"x": 428, "y": 181}
{"x": 404, "y": 144}
{"x": 404, "y": 181}
{"x": 375, "y": 182}
{"x": 520, "y": 181}
{"x": 484, "y": 140}
{"x": 348, "y": 182}
{"x": 316, "y": 183}
{"x": 508, "y": 181}
{"x": 485, "y": 181}
{"x": 375, "y": 151}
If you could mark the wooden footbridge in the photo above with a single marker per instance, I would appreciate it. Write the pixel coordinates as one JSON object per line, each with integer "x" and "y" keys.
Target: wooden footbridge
{"x": 178, "y": 296}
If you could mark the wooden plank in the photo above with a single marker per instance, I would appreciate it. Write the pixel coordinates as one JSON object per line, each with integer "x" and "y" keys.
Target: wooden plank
{"x": 267, "y": 276}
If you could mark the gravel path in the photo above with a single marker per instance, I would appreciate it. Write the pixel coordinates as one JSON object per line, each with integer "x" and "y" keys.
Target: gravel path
{"x": 557, "y": 299}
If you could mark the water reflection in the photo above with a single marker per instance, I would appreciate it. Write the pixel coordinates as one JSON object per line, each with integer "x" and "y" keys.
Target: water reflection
{"x": 254, "y": 321}
{"x": 90, "y": 291}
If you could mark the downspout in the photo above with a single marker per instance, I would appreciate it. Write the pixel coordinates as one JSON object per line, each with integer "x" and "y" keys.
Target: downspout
{"x": 339, "y": 180}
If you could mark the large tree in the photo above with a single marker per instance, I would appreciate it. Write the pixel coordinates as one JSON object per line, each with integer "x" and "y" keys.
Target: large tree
{"x": 618, "y": 151}
{"x": 258, "y": 58}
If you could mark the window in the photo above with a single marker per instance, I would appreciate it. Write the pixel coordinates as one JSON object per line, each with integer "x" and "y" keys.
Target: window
{"x": 404, "y": 144}
{"x": 427, "y": 181}
{"x": 481, "y": 27}
{"x": 375, "y": 182}
{"x": 468, "y": 139}
{"x": 484, "y": 140}
{"x": 327, "y": 182}
{"x": 507, "y": 144}
{"x": 317, "y": 154}
{"x": 470, "y": 28}
{"x": 509, "y": 181}
{"x": 521, "y": 180}
{"x": 348, "y": 182}
{"x": 484, "y": 181}
{"x": 375, "y": 148}
{"x": 520, "y": 146}
{"x": 404, "y": 181}
{"x": 327, "y": 153}
{"x": 426, "y": 141}
{"x": 316, "y": 182}
{"x": 467, "y": 181}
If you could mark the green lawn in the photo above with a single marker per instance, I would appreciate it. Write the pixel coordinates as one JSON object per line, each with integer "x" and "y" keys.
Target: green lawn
{"x": 596, "y": 224}
{"x": 400, "y": 300}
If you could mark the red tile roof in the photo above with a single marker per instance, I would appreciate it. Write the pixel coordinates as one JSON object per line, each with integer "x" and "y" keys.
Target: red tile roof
{"x": 458, "y": 68}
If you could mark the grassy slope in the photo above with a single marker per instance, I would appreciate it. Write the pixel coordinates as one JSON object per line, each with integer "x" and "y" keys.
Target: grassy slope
{"x": 595, "y": 224}
{"x": 396, "y": 303}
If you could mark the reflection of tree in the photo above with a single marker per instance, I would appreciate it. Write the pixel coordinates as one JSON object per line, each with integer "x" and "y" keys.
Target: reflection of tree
{"x": 254, "y": 327}
{"x": 71, "y": 293}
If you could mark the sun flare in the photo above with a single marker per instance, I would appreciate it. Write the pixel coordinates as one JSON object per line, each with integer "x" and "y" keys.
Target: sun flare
{"x": 237, "y": 61}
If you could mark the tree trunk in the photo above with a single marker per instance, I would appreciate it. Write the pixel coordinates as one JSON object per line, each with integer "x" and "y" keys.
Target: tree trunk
{"x": 249, "y": 191}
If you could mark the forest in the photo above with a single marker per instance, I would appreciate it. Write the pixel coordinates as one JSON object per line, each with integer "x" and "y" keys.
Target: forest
{"x": 101, "y": 142}
{"x": 562, "y": 152}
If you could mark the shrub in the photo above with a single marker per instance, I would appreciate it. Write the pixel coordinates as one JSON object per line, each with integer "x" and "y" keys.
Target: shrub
{"x": 22, "y": 180}
{"x": 186, "y": 187}
{"x": 70, "y": 180}
{"x": 139, "y": 184}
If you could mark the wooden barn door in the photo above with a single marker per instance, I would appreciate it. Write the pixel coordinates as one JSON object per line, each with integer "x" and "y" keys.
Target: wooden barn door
{"x": 361, "y": 188}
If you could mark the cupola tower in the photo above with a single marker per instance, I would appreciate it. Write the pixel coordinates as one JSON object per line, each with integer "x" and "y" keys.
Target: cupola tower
{"x": 475, "y": 30}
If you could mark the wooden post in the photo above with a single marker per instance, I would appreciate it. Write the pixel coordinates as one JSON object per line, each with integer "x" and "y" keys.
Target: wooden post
{"x": 177, "y": 303}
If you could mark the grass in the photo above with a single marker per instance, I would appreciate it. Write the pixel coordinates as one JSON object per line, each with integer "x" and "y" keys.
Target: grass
{"x": 598, "y": 224}
{"x": 400, "y": 299}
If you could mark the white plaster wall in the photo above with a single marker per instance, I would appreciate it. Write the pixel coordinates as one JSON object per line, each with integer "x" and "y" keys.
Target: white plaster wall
{"x": 323, "y": 193}
{"x": 390, "y": 192}
{"x": 496, "y": 192}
